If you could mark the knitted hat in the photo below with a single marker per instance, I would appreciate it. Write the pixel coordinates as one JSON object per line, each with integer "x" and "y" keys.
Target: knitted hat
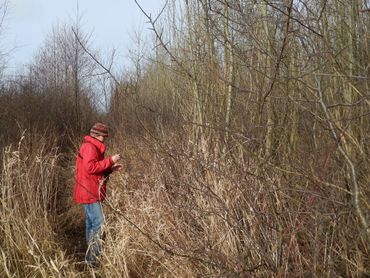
{"x": 99, "y": 129}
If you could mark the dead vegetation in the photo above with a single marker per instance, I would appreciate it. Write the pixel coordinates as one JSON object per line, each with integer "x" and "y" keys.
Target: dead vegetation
{"x": 244, "y": 135}
{"x": 173, "y": 213}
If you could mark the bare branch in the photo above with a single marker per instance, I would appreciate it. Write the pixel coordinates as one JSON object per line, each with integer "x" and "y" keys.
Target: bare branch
{"x": 347, "y": 104}
{"x": 107, "y": 70}
{"x": 293, "y": 18}
{"x": 280, "y": 57}
{"x": 159, "y": 37}
{"x": 356, "y": 188}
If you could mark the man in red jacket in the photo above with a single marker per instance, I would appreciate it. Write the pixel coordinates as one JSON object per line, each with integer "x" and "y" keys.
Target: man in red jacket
{"x": 92, "y": 171}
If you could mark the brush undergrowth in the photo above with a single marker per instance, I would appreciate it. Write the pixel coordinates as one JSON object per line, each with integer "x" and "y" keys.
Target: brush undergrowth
{"x": 175, "y": 212}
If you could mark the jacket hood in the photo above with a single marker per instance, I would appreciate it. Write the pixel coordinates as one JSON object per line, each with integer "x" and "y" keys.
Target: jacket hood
{"x": 95, "y": 142}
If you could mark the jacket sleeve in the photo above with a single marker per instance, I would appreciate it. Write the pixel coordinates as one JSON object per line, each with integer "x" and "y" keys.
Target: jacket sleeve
{"x": 92, "y": 164}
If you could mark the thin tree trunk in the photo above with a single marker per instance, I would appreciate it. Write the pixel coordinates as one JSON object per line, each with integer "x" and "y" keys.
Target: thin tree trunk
{"x": 229, "y": 70}
{"x": 197, "y": 109}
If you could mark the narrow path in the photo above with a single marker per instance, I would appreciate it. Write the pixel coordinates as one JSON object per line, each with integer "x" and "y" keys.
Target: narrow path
{"x": 70, "y": 226}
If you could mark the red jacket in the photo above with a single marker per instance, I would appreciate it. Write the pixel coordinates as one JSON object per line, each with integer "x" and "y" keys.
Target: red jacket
{"x": 90, "y": 169}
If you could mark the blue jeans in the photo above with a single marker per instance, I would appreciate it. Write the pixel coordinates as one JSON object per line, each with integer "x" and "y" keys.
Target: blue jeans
{"x": 94, "y": 220}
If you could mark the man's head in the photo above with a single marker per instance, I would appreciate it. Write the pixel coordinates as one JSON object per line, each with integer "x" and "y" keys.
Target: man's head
{"x": 99, "y": 131}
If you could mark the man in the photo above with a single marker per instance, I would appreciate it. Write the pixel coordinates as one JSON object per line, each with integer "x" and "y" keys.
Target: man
{"x": 92, "y": 172}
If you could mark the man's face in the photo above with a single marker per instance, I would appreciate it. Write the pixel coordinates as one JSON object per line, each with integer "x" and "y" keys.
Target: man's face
{"x": 100, "y": 138}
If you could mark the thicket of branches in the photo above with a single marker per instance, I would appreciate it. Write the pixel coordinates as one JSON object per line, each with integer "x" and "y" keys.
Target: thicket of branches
{"x": 245, "y": 136}
{"x": 282, "y": 86}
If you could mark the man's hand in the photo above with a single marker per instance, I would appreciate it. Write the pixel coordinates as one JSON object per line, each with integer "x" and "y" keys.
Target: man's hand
{"x": 115, "y": 158}
{"x": 117, "y": 167}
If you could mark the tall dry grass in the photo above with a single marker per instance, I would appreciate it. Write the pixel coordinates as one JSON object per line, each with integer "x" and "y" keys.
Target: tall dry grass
{"x": 30, "y": 180}
{"x": 174, "y": 212}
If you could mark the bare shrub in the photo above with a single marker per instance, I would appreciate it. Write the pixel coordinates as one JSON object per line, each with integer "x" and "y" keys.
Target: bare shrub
{"x": 188, "y": 215}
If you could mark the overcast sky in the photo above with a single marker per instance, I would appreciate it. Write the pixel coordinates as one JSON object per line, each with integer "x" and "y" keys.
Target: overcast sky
{"x": 112, "y": 23}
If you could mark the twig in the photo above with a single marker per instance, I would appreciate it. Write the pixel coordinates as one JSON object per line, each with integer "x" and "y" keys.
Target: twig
{"x": 280, "y": 57}
{"x": 107, "y": 70}
{"x": 293, "y": 18}
{"x": 159, "y": 36}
